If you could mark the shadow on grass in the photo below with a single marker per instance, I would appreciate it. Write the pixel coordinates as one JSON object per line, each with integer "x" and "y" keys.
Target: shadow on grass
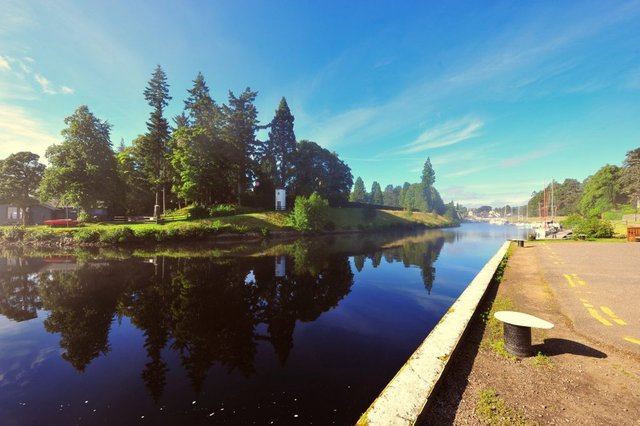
{"x": 552, "y": 347}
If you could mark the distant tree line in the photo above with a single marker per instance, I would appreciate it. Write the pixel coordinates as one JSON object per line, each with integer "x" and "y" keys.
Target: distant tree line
{"x": 420, "y": 196}
{"x": 610, "y": 188}
{"x": 211, "y": 154}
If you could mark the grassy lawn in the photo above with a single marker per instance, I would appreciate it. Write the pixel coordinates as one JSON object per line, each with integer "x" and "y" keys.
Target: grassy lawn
{"x": 262, "y": 224}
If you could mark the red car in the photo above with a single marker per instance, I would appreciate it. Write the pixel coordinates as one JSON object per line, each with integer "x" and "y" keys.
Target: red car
{"x": 61, "y": 222}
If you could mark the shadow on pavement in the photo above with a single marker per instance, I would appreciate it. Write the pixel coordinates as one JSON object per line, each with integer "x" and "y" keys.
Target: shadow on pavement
{"x": 553, "y": 347}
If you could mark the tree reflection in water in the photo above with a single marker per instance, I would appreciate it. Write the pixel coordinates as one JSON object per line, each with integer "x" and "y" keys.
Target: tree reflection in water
{"x": 208, "y": 310}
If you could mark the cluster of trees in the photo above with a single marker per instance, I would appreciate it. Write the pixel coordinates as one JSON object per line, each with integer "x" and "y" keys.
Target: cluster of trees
{"x": 210, "y": 155}
{"x": 608, "y": 189}
{"x": 421, "y": 196}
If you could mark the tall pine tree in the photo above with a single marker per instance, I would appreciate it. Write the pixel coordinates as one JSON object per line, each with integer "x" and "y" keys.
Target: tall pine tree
{"x": 376, "y": 194}
{"x": 153, "y": 149}
{"x": 281, "y": 146}
{"x": 241, "y": 124}
{"x": 359, "y": 194}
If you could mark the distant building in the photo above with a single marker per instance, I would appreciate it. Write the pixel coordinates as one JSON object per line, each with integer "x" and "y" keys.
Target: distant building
{"x": 36, "y": 214}
{"x": 281, "y": 199}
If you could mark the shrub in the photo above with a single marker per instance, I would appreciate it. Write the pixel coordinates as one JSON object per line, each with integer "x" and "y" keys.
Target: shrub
{"x": 122, "y": 234}
{"x": 572, "y": 221}
{"x": 84, "y": 217}
{"x": 14, "y": 233}
{"x": 309, "y": 214}
{"x": 87, "y": 235}
{"x": 594, "y": 228}
{"x": 198, "y": 211}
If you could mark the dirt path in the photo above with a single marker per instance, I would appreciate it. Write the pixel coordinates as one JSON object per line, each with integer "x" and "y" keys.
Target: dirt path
{"x": 579, "y": 380}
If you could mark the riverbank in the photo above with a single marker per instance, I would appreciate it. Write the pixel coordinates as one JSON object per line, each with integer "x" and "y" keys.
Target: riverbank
{"x": 577, "y": 377}
{"x": 241, "y": 227}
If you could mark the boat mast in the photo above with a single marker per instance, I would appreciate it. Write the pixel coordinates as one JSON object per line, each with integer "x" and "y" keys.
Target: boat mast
{"x": 553, "y": 212}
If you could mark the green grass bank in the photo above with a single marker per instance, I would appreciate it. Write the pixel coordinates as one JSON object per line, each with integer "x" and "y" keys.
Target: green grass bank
{"x": 240, "y": 227}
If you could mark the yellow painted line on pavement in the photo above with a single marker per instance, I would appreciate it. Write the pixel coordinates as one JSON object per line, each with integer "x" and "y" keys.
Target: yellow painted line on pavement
{"x": 583, "y": 300}
{"x": 578, "y": 280}
{"x": 571, "y": 283}
{"x": 599, "y": 317}
{"x": 632, "y": 340}
{"x": 613, "y": 316}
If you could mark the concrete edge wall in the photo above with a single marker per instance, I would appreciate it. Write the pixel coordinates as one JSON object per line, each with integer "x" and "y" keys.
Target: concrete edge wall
{"x": 405, "y": 397}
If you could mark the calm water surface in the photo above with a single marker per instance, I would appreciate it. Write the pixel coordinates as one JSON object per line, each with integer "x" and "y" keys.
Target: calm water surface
{"x": 301, "y": 333}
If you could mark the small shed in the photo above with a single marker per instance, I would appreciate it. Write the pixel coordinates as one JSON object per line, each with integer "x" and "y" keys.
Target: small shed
{"x": 281, "y": 199}
{"x": 633, "y": 233}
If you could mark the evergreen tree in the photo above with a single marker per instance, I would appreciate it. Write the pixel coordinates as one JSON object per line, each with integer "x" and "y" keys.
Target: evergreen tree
{"x": 389, "y": 196}
{"x": 630, "y": 179}
{"x": 241, "y": 124}
{"x": 359, "y": 194}
{"x": 153, "y": 150}
{"x": 281, "y": 145}
{"x": 83, "y": 169}
{"x": 376, "y": 194}
{"x": 403, "y": 192}
{"x": 198, "y": 152}
{"x": 428, "y": 175}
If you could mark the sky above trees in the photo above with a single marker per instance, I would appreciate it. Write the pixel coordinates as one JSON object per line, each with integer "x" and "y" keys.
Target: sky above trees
{"x": 502, "y": 96}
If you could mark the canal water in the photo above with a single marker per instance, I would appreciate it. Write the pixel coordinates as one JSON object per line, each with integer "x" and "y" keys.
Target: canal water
{"x": 307, "y": 332}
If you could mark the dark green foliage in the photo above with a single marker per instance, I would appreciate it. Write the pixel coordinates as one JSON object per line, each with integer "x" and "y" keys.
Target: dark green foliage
{"x": 83, "y": 169}
{"x": 319, "y": 171}
{"x": 136, "y": 196}
{"x": 153, "y": 149}
{"x": 281, "y": 146}
{"x": 390, "y": 196}
{"x": 630, "y": 179}
{"x": 428, "y": 177}
{"x": 359, "y": 193}
{"x": 376, "y": 194}
{"x": 198, "y": 211}
{"x": 198, "y": 155}
{"x": 20, "y": 174}
{"x": 239, "y": 135}
{"x": 309, "y": 214}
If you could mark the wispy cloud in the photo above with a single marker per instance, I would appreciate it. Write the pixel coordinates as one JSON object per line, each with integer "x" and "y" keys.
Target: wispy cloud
{"x": 468, "y": 171}
{"x": 66, "y": 90}
{"x": 4, "y": 64}
{"x": 45, "y": 84}
{"x": 526, "y": 157}
{"x": 449, "y": 133}
{"x": 19, "y": 131}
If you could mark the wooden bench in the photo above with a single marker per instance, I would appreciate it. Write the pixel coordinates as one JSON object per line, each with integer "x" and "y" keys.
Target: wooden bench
{"x": 517, "y": 331}
{"x": 120, "y": 219}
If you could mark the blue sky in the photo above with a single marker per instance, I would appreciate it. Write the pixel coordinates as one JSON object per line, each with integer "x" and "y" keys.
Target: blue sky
{"x": 502, "y": 96}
